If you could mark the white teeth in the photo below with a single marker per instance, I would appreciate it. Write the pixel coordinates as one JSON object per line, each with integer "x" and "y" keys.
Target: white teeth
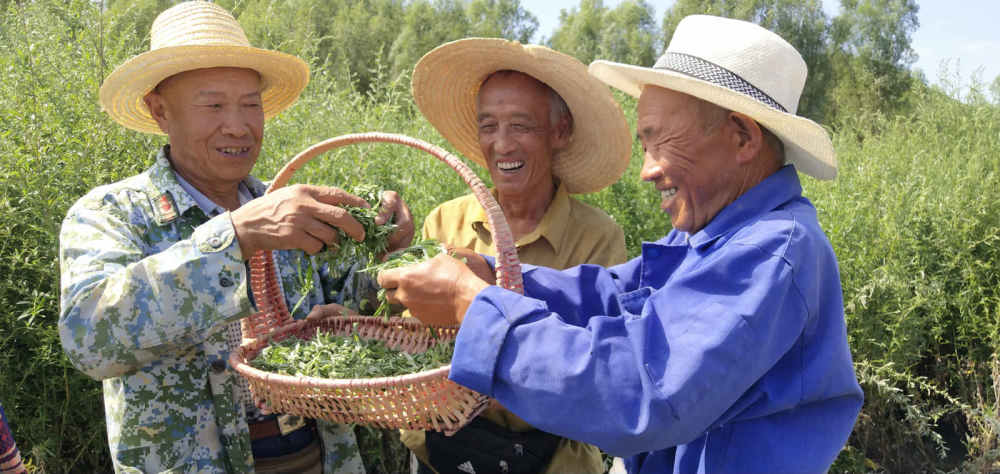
{"x": 668, "y": 193}
{"x": 510, "y": 165}
{"x": 234, "y": 151}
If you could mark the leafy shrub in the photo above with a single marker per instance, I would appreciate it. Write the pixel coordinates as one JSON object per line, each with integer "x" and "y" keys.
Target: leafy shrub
{"x": 913, "y": 217}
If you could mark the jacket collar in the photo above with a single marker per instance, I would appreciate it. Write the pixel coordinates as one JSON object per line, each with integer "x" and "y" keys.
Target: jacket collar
{"x": 772, "y": 192}
{"x": 170, "y": 197}
{"x": 552, "y": 226}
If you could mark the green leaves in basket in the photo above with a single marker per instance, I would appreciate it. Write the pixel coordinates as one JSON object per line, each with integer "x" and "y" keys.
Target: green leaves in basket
{"x": 416, "y": 253}
{"x": 346, "y": 357}
{"x": 376, "y": 240}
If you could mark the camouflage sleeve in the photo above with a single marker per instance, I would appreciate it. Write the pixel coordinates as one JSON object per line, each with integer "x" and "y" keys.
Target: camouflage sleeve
{"x": 128, "y": 297}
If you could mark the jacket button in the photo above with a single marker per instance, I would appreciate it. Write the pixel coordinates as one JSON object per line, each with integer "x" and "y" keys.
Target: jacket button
{"x": 225, "y": 281}
{"x": 218, "y": 365}
{"x": 215, "y": 241}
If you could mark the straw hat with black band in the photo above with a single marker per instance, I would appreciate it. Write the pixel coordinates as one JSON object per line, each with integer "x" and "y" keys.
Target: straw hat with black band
{"x": 446, "y": 85}
{"x": 197, "y": 35}
{"x": 742, "y": 67}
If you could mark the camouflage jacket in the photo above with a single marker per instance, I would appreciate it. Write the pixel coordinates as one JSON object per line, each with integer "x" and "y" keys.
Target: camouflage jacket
{"x": 149, "y": 282}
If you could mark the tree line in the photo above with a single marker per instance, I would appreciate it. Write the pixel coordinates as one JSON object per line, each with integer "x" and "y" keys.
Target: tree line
{"x": 858, "y": 60}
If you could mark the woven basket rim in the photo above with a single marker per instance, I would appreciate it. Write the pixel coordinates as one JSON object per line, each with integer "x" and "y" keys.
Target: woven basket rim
{"x": 240, "y": 361}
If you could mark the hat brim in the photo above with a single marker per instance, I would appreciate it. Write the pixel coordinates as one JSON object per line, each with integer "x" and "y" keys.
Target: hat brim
{"x": 446, "y": 85}
{"x": 283, "y": 78}
{"x": 807, "y": 144}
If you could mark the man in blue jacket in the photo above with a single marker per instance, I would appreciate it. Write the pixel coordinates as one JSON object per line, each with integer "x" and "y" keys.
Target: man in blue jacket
{"x": 723, "y": 347}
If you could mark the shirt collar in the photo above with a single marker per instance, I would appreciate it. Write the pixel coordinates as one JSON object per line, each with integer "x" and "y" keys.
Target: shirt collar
{"x": 772, "y": 192}
{"x": 552, "y": 226}
{"x": 209, "y": 207}
{"x": 184, "y": 195}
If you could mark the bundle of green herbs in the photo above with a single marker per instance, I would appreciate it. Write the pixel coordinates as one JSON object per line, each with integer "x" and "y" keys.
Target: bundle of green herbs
{"x": 376, "y": 240}
{"x": 422, "y": 250}
{"x": 346, "y": 357}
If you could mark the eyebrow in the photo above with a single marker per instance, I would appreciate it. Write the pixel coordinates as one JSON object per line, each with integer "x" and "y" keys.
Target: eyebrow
{"x": 522, "y": 116}
{"x": 214, "y": 94}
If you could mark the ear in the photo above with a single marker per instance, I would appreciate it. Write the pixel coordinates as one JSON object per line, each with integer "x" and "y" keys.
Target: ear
{"x": 157, "y": 109}
{"x": 746, "y": 136}
{"x": 561, "y": 134}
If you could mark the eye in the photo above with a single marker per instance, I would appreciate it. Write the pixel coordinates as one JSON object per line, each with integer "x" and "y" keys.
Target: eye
{"x": 488, "y": 127}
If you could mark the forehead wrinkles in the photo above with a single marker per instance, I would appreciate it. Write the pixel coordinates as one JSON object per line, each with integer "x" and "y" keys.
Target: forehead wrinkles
{"x": 663, "y": 112}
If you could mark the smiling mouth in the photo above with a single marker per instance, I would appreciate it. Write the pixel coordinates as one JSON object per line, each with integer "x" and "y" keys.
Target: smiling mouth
{"x": 510, "y": 165}
{"x": 668, "y": 193}
{"x": 234, "y": 151}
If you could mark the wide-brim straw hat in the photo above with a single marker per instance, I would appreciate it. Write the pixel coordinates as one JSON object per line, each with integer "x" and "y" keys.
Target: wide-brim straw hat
{"x": 198, "y": 35}
{"x": 446, "y": 85}
{"x": 742, "y": 67}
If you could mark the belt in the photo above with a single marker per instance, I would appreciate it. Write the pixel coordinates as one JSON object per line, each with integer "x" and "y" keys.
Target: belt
{"x": 279, "y": 425}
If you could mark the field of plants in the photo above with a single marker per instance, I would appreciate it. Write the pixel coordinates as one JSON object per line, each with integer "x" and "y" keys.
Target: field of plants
{"x": 914, "y": 217}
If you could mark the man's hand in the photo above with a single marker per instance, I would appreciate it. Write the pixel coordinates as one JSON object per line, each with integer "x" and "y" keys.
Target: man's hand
{"x": 393, "y": 205}
{"x": 321, "y": 311}
{"x": 475, "y": 262}
{"x": 437, "y": 291}
{"x": 297, "y": 217}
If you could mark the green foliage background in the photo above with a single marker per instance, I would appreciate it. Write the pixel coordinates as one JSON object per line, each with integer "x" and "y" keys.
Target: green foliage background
{"x": 913, "y": 214}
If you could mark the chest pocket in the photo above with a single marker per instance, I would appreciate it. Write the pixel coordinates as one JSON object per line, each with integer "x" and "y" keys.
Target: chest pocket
{"x": 633, "y": 301}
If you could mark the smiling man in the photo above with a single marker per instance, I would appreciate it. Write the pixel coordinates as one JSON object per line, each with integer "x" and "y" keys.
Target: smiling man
{"x": 154, "y": 267}
{"x": 544, "y": 129}
{"x": 722, "y": 348}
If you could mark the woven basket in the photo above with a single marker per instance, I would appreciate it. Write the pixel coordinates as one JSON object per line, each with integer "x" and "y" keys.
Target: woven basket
{"x": 422, "y": 401}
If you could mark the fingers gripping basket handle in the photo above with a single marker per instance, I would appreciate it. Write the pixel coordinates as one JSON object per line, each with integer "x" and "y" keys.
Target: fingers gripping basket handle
{"x": 263, "y": 276}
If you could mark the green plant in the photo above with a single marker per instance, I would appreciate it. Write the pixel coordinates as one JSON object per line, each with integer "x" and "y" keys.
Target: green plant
{"x": 346, "y": 357}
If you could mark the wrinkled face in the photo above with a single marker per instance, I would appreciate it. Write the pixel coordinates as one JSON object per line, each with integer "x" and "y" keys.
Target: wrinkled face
{"x": 215, "y": 121}
{"x": 515, "y": 133}
{"x": 695, "y": 170}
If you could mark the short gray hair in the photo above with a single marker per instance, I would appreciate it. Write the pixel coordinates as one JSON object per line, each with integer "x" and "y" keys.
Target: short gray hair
{"x": 712, "y": 116}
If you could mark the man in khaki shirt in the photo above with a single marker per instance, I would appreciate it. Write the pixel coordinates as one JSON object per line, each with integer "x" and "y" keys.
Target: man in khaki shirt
{"x": 545, "y": 129}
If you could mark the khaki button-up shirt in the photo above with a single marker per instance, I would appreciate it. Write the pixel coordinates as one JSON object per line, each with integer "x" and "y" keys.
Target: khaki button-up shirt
{"x": 570, "y": 233}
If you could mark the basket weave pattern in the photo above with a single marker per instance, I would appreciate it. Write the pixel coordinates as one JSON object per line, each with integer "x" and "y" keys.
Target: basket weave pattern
{"x": 421, "y": 401}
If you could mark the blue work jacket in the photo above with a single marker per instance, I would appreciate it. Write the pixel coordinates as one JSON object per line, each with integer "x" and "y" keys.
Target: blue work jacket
{"x": 720, "y": 351}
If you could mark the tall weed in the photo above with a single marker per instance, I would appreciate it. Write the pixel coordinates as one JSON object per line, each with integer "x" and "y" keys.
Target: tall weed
{"x": 913, "y": 217}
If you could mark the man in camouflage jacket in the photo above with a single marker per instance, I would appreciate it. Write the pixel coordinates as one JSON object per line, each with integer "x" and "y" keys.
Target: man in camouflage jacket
{"x": 154, "y": 267}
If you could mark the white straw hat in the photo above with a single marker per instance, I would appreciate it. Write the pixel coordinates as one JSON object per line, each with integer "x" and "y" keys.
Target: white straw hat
{"x": 742, "y": 67}
{"x": 446, "y": 84}
{"x": 197, "y": 35}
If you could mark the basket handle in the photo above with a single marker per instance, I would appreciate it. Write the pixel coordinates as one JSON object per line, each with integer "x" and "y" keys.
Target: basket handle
{"x": 263, "y": 275}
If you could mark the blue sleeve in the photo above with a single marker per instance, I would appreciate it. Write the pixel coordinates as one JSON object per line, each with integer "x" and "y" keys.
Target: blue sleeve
{"x": 648, "y": 368}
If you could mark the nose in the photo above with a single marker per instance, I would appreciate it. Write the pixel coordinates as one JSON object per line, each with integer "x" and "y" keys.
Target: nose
{"x": 235, "y": 124}
{"x": 651, "y": 168}
{"x": 503, "y": 142}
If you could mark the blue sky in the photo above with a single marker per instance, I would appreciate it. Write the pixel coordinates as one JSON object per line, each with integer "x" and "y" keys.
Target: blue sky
{"x": 963, "y": 33}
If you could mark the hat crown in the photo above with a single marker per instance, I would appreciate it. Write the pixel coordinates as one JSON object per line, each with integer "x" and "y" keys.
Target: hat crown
{"x": 196, "y": 23}
{"x": 757, "y": 55}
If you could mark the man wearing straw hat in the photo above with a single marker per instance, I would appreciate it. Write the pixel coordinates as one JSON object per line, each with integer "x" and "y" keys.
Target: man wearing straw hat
{"x": 723, "y": 347}
{"x": 544, "y": 129}
{"x": 154, "y": 267}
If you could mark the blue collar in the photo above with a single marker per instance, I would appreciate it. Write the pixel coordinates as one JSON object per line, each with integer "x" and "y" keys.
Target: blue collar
{"x": 772, "y": 192}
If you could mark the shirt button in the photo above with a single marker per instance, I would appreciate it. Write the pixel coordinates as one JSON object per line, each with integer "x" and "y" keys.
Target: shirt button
{"x": 225, "y": 282}
{"x": 215, "y": 241}
{"x": 218, "y": 365}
